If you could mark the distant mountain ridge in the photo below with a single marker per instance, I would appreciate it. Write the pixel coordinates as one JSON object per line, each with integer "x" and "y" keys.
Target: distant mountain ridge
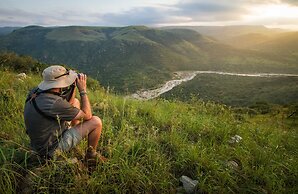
{"x": 240, "y": 36}
{"x": 223, "y": 32}
{"x": 135, "y": 57}
{"x": 7, "y": 30}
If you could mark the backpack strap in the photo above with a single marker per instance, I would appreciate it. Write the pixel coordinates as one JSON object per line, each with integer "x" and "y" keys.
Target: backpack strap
{"x": 33, "y": 95}
{"x": 40, "y": 112}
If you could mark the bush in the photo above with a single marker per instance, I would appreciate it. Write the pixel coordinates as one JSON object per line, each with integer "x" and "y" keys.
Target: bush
{"x": 14, "y": 62}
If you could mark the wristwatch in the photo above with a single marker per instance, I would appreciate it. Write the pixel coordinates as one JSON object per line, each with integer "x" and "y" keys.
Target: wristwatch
{"x": 82, "y": 93}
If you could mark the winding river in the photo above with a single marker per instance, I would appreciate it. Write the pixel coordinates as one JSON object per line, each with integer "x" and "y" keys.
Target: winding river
{"x": 184, "y": 76}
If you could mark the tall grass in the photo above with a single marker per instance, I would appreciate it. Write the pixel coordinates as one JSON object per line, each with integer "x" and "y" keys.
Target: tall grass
{"x": 150, "y": 145}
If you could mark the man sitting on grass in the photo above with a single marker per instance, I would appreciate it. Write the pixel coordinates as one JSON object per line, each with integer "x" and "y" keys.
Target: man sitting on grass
{"x": 57, "y": 121}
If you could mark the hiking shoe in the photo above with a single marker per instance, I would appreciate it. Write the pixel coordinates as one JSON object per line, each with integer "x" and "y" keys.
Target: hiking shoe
{"x": 94, "y": 157}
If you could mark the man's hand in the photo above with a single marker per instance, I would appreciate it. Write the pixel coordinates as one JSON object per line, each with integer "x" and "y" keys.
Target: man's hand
{"x": 82, "y": 82}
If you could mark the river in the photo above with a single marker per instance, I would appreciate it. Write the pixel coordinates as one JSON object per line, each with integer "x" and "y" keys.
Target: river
{"x": 184, "y": 76}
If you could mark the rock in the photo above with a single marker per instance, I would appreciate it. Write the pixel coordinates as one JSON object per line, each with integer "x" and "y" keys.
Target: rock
{"x": 21, "y": 76}
{"x": 189, "y": 185}
{"x": 73, "y": 160}
{"x": 235, "y": 139}
{"x": 234, "y": 164}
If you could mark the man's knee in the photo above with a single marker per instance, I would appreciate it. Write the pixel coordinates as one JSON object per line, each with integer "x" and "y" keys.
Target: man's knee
{"x": 96, "y": 121}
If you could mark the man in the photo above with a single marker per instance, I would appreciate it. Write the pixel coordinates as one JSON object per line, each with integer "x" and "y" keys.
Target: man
{"x": 52, "y": 106}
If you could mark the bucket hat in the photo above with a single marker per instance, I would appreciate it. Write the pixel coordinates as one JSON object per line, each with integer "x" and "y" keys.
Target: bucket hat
{"x": 57, "y": 77}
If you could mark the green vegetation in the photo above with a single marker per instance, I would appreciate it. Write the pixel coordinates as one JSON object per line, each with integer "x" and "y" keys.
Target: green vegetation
{"x": 151, "y": 144}
{"x": 238, "y": 91}
{"x": 21, "y": 64}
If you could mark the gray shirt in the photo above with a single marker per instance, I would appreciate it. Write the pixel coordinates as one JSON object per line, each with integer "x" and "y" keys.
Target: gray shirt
{"x": 44, "y": 132}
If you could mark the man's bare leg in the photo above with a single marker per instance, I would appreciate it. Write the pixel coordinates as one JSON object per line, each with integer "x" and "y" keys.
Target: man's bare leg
{"x": 91, "y": 129}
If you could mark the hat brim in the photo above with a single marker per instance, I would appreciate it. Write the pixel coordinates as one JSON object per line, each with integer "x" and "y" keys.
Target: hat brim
{"x": 61, "y": 82}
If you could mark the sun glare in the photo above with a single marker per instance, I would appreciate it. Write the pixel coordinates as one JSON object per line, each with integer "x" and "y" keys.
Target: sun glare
{"x": 274, "y": 11}
{"x": 273, "y": 15}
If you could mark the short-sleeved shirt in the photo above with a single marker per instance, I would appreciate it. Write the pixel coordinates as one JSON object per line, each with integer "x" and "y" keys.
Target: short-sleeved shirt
{"x": 44, "y": 132}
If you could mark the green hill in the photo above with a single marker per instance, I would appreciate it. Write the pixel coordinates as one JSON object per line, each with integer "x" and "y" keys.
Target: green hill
{"x": 135, "y": 57}
{"x": 116, "y": 56}
{"x": 247, "y": 40}
{"x": 286, "y": 44}
{"x": 248, "y": 37}
{"x": 151, "y": 144}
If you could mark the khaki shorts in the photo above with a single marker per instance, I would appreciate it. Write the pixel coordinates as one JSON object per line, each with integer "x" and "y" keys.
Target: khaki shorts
{"x": 69, "y": 140}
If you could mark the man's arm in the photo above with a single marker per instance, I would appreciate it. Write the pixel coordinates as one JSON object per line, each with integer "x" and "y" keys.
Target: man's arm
{"x": 85, "y": 112}
{"x": 72, "y": 99}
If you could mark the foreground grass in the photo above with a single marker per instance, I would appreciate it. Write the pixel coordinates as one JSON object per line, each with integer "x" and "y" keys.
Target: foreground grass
{"x": 150, "y": 145}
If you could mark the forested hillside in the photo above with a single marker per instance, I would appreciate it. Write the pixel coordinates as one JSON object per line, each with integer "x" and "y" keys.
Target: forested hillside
{"x": 136, "y": 57}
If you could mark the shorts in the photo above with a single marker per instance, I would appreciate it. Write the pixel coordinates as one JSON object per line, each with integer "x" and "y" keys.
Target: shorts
{"x": 69, "y": 140}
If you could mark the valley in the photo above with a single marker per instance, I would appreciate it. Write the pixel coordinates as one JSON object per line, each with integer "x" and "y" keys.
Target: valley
{"x": 138, "y": 60}
{"x": 243, "y": 91}
{"x": 188, "y": 76}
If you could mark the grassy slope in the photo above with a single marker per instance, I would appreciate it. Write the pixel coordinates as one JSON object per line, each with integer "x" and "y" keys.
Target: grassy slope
{"x": 151, "y": 144}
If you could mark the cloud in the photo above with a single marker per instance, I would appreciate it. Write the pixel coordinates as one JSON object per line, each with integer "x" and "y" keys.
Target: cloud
{"x": 182, "y": 12}
{"x": 18, "y": 17}
{"x": 186, "y": 12}
{"x": 137, "y": 16}
{"x": 211, "y": 10}
{"x": 290, "y": 2}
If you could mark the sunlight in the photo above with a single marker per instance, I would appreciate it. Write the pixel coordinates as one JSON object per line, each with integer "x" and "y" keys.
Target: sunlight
{"x": 273, "y": 16}
{"x": 273, "y": 11}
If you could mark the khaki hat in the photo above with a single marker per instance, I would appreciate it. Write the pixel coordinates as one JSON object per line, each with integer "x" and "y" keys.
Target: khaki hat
{"x": 57, "y": 77}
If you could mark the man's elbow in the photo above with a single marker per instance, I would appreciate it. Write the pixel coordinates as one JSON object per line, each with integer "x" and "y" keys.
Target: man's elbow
{"x": 83, "y": 115}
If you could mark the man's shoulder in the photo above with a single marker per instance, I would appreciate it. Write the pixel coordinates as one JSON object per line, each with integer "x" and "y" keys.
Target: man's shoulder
{"x": 50, "y": 99}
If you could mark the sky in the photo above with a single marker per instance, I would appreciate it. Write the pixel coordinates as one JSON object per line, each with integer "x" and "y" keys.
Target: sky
{"x": 155, "y": 13}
